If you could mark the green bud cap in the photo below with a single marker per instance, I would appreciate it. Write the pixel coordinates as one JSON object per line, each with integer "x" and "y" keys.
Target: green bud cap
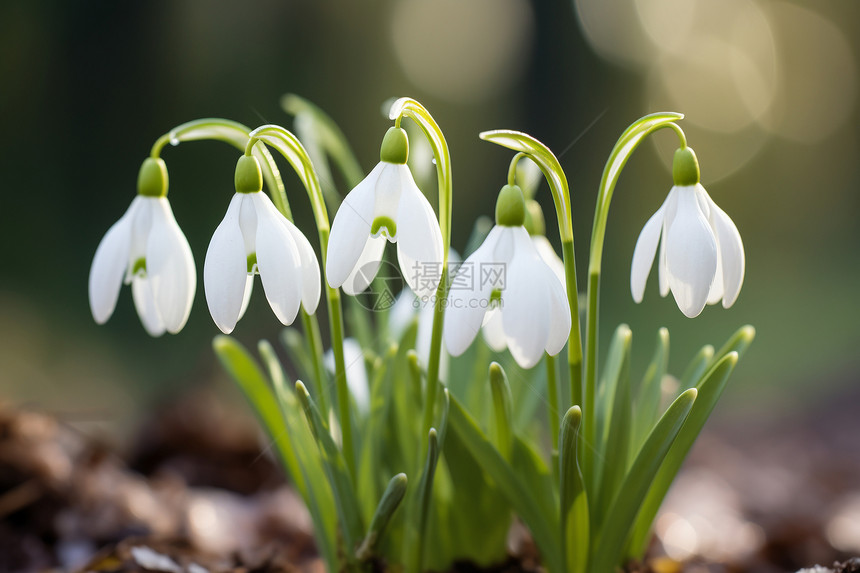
{"x": 249, "y": 177}
{"x": 685, "y": 167}
{"x": 395, "y": 146}
{"x": 535, "y": 223}
{"x": 510, "y": 207}
{"x": 152, "y": 178}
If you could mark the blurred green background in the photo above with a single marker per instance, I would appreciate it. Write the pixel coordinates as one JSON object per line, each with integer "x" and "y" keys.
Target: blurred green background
{"x": 769, "y": 88}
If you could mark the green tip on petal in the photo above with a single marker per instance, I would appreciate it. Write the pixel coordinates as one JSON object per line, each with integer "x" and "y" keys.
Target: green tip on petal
{"x": 535, "y": 223}
{"x": 685, "y": 167}
{"x": 395, "y": 146}
{"x": 152, "y": 179}
{"x": 383, "y": 222}
{"x": 510, "y": 207}
{"x": 249, "y": 176}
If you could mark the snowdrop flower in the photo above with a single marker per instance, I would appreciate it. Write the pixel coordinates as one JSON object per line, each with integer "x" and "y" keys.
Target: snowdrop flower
{"x": 255, "y": 238}
{"x": 493, "y": 329}
{"x": 387, "y": 204}
{"x": 701, "y": 253}
{"x": 507, "y": 274}
{"x": 146, "y": 249}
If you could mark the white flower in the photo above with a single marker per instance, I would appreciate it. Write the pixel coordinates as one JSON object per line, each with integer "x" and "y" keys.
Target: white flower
{"x": 146, "y": 249}
{"x": 387, "y": 204}
{"x": 493, "y": 329}
{"x": 255, "y": 237}
{"x": 701, "y": 253}
{"x": 507, "y": 273}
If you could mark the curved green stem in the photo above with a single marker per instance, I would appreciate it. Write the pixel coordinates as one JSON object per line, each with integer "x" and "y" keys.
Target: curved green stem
{"x": 552, "y": 400}
{"x": 291, "y": 148}
{"x": 512, "y": 168}
{"x": 407, "y": 107}
{"x": 551, "y": 168}
{"x": 235, "y": 134}
{"x": 627, "y": 143}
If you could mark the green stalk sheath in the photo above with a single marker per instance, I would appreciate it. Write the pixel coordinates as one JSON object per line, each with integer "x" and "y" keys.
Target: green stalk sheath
{"x": 312, "y": 332}
{"x": 291, "y": 148}
{"x": 552, "y": 400}
{"x": 435, "y": 351}
{"x": 590, "y": 397}
{"x": 574, "y": 345}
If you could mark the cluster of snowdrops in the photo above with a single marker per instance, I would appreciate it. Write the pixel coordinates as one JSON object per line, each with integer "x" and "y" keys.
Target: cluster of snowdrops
{"x": 403, "y": 455}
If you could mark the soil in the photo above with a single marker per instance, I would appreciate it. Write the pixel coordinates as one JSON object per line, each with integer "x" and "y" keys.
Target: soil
{"x": 194, "y": 494}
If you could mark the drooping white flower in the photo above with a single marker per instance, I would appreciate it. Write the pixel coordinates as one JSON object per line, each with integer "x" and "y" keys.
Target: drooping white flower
{"x": 146, "y": 249}
{"x": 255, "y": 238}
{"x": 493, "y": 330}
{"x": 701, "y": 256}
{"x": 507, "y": 274}
{"x": 387, "y": 204}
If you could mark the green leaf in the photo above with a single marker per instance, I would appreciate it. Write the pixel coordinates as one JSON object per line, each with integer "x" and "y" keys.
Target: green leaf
{"x": 647, "y": 409}
{"x": 611, "y": 539}
{"x": 389, "y": 503}
{"x": 574, "y": 501}
{"x": 502, "y": 410}
{"x": 739, "y": 342}
{"x": 425, "y": 490}
{"x": 297, "y": 351}
{"x": 614, "y": 432}
{"x": 336, "y": 470}
{"x": 709, "y": 391}
{"x": 520, "y": 494}
{"x": 697, "y": 367}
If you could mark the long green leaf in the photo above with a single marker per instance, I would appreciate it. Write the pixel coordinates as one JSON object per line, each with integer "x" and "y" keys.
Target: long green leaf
{"x": 739, "y": 342}
{"x": 647, "y": 409}
{"x": 614, "y": 416}
{"x": 575, "y": 527}
{"x": 710, "y": 389}
{"x": 502, "y": 410}
{"x": 611, "y": 539}
{"x": 520, "y": 494}
{"x": 697, "y": 367}
{"x": 335, "y": 466}
{"x": 389, "y": 503}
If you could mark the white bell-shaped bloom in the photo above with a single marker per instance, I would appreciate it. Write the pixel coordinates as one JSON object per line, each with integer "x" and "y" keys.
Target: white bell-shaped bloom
{"x": 701, "y": 256}
{"x": 146, "y": 249}
{"x": 255, "y": 238}
{"x": 387, "y": 204}
{"x": 493, "y": 329}
{"x": 506, "y": 280}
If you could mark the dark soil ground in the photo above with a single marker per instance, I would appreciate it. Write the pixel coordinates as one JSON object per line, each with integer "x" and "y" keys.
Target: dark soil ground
{"x": 196, "y": 495}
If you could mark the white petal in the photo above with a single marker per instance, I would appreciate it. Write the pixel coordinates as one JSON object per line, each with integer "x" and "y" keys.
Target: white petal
{"x": 144, "y": 302}
{"x": 419, "y": 240}
{"x": 559, "y": 316}
{"x": 311, "y": 283}
{"x": 170, "y": 268}
{"x": 141, "y": 224}
{"x": 643, "y": 254}
{"x": 109, "y": 266}
{"x": 715, "y": 295}
{"x": 388, "y": 190}
{"x": 468, "y": 296}
{"x": 525, "y": 308}
{"x": 278, "y": 260}
{"x": 691, "y": 254}
{"x": 246, "y": 299}
{"x": 662, "y": 271}
{"x": 493, "y": 330}
{"x": 225, "y": 269}
{"x": 731, "y": 253}
{"x": 366, "y": 267}
{"x": 350, "y": 229}
{"x": 548, "y": 255}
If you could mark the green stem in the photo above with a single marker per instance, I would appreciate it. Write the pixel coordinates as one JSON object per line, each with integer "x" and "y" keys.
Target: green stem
{"x": 407, "y": 107}
{"x": 312, "y": 332}
{"x": 624, "y": 147}
{"x": 551, "y": 168}
{"x": 291, "y": 148}
{"x": 552, "y": 397}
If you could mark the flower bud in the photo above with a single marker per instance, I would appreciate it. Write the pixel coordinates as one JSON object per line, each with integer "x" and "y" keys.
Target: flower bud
{"x": 395, "y": 146}
{"x": 685, "y": 167}
{"x": 152, "y": 178}
{"x": 510, "y": 207}
{"x": 249, "y": 177}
